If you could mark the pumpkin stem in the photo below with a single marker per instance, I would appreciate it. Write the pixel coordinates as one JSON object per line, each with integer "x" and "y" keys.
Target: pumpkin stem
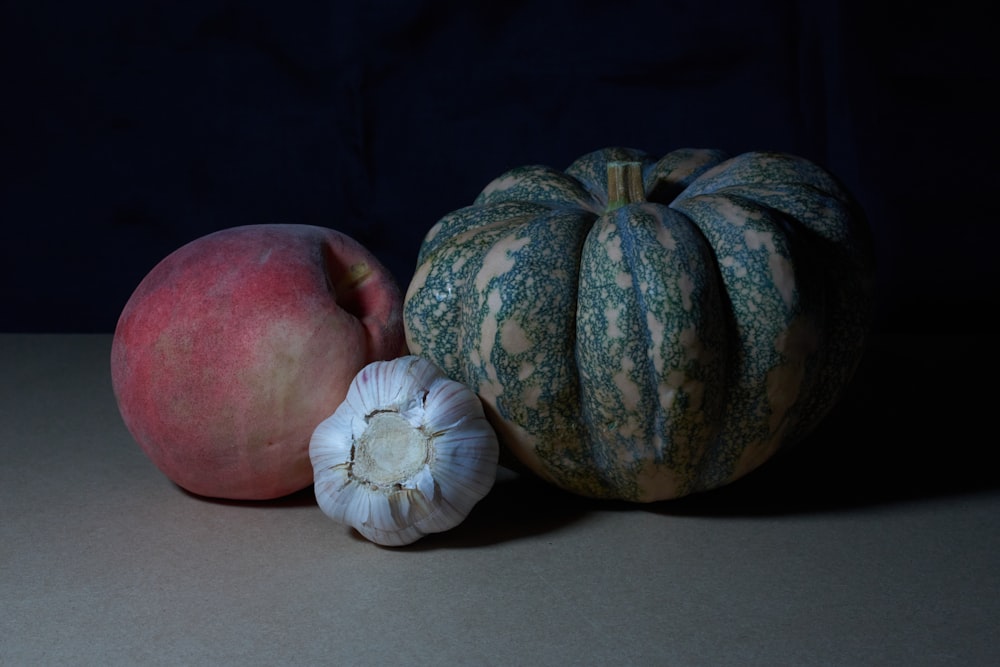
{"x": 624, "y": 183}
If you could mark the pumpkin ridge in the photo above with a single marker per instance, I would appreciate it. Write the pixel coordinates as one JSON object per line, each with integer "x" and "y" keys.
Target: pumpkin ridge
{"x": 631, "y": 261}
{"x": 831, "y": 233}
{"x": 531, "y": 385}
{"x": 766, "y": 310}
{"x": 669, "y": 176}
{"x": 538, "y": 184}
{"x": 473, "y": 217}
{"x": 658, "y": 435}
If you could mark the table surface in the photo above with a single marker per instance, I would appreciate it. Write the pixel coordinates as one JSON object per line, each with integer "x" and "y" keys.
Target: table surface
{"x": 875, "y": 542}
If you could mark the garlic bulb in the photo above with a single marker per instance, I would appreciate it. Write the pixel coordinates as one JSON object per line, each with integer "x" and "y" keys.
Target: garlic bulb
{"x": 409, "y": 452}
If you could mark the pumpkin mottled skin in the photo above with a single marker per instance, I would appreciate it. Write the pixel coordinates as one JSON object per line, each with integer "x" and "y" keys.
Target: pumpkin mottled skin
{"x": 660, "y": 348}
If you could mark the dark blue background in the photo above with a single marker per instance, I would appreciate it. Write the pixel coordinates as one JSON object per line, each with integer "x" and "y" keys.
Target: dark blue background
{"x": 130, "y": 128}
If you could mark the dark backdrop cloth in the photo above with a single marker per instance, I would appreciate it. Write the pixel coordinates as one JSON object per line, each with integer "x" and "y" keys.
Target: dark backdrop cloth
{"x": 131, "y": 128}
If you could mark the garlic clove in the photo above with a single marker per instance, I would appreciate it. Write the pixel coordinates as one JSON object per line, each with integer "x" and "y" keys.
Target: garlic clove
{"x": 409, "y": 452}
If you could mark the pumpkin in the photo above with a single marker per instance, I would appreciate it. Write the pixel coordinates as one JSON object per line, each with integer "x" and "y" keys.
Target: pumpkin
{"x": 642, "y": 329}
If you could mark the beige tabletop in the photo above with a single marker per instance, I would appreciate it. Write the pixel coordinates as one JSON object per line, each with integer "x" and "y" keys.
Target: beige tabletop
{"x": 877, "y": 542}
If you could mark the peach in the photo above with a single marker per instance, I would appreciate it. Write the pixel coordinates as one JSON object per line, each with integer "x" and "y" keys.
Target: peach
{"x": 235, "y": 346}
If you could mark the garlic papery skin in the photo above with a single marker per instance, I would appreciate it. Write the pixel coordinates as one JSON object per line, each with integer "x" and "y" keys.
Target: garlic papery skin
{"x": 409, "y": 452}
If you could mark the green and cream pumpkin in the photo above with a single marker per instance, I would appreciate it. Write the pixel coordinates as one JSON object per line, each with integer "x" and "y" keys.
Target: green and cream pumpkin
{"x": 641, "y": 328}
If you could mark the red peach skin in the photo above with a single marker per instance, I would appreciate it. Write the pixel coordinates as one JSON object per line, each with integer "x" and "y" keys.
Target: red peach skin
{"x": 236, "y": 345}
